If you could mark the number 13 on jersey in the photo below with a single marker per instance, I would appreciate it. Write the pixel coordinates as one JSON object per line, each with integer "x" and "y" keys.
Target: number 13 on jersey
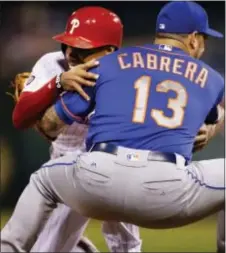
{"x": 178, "y": 104}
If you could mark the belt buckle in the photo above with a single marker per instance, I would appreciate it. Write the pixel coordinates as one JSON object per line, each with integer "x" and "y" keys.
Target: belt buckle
{"x": 155, "y": 156}
{"x": 162, "y": 157}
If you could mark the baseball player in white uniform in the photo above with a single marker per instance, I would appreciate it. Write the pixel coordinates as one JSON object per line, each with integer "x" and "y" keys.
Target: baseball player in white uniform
{"x": 65, "y": 227}
{"x": 153, "y": 188}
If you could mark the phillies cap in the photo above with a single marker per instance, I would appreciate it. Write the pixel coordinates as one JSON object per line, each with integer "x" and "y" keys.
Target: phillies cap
{"x": 184, "y": 17}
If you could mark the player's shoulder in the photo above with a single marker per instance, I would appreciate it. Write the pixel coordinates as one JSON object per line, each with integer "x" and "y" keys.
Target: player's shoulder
{"x": 214, "y": 75}
{"x": 52, "y": 56}
{"x": 50, "y": 62}
{"x": 111, "y": 58}
{"x": 109, "y": 63}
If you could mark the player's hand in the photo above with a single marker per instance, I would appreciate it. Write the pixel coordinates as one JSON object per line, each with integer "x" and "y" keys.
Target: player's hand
{"x": 76, "y": 77}
{"x": 201, "y": 139}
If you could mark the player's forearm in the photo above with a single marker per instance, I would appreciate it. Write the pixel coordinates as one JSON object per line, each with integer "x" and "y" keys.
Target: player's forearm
{"x": 31, "y": 105}
{"x": 61, "y": 114}
{"x": 50, "y": 124}
{"x": 38, "y": 128}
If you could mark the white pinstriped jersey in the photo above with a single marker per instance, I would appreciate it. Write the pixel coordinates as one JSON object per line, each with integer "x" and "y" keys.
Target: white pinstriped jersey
{"x": 72, "y": 138}
{"x": 119, "y": 236}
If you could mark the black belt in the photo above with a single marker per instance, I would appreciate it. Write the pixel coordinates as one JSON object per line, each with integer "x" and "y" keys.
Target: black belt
{"x": 153, "y": 156}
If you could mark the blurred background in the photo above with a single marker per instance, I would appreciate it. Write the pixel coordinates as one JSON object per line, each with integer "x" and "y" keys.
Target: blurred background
{"x": 26, "y": 32}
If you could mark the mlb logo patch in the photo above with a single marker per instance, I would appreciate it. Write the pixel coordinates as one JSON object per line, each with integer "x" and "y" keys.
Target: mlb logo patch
{"x": 162, "y": 26}
{"x": 133, "y": 157}
{"x": 165, "y": 47}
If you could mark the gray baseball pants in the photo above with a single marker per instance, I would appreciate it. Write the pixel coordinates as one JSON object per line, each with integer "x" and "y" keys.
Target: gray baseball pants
{"x": 133, "y": 186}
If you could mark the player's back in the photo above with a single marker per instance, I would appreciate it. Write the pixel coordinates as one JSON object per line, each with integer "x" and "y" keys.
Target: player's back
{"x": 153, "y": 97}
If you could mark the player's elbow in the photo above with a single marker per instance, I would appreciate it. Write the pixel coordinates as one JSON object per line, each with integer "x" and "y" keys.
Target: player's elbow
{"x": 50, "y": 123}
{"x": 46, "y": 126}
{"x": 27, "y": 111}
{"x": 49, "y": 128}
{"x": 23, "y": 116}
{"x": 16, "y": 120}
{"x": 20, "y": 121}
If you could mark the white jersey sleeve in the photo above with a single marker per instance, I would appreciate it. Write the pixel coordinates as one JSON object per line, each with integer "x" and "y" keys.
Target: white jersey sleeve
{"x": 45, "y": 69}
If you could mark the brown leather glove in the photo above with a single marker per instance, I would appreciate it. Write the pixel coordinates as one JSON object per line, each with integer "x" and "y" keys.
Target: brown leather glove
{"x": 18, "y": 84}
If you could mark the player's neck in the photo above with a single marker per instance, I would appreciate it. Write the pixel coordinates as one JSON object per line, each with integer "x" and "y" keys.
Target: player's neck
{"x": 171, "y": 42}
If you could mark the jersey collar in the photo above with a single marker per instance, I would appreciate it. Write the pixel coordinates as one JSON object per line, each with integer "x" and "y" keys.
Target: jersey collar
{"x": 166, "y": 48}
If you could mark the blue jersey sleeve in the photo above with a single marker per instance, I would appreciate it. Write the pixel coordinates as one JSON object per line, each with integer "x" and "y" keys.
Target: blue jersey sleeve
{"x": 72, "y": 107}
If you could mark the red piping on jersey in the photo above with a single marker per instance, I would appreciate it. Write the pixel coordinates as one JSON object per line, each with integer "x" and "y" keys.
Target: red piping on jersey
{"x": 31, "y": 105}
{"x": 65, "y": 108}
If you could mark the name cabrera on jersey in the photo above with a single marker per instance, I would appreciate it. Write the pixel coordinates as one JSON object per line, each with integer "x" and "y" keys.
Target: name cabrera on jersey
{"x": 148, "y": 98}
{"x": 45, "y": 69}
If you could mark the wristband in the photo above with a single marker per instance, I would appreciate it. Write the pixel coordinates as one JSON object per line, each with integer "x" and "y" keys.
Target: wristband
{"x": 58, "y": 84}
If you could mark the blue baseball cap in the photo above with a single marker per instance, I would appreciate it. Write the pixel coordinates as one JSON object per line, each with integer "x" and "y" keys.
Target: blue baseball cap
{"x": 185, "y": 18}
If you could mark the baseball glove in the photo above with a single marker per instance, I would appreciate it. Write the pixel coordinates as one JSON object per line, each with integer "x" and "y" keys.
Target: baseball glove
{"x": 18, "y": 84}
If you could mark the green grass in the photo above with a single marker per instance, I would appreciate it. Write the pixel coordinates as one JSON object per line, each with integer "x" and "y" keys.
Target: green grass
{"x": 198, "y": 237}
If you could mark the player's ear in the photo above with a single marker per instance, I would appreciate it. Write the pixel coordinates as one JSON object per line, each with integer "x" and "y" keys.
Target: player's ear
{"x": 193, "y": 40}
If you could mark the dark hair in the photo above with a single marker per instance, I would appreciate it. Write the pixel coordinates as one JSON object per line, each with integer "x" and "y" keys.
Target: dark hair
{"x": 63, "y": 48}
